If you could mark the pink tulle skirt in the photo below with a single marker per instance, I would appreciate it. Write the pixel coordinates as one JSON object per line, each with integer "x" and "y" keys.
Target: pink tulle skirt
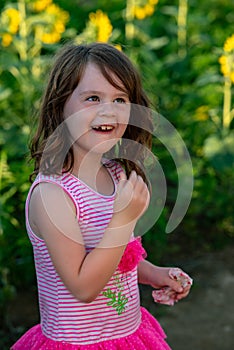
{"x": 148, "y": 336}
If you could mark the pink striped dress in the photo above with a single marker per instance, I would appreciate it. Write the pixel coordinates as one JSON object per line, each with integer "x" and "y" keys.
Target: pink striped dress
{"x": 105, "y": 323}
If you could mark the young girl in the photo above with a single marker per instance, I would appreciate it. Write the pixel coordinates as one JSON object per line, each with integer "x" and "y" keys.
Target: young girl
{"x": 82, "y": 208}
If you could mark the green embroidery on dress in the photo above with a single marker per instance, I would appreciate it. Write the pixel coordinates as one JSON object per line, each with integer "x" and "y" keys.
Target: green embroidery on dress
{"x": 117, "y": 303}
{"x": 117, "y": 300}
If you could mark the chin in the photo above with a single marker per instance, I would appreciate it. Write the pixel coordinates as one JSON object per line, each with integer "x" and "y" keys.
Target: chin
{"x": 104, "y": 146}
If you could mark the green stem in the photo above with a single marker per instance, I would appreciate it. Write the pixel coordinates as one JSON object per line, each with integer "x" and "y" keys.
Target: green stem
{"x": 1, "y": 175}
{"x": 182, "y": 27}
{"x": 22, "y": 31}
{"x": 129, "y": 17}
{"x": 227, "y": 116}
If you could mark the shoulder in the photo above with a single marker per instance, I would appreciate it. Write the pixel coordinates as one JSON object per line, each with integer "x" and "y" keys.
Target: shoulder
{"x": 48, "y": 196}
{"x": 46, "y": 185}
{"x": 45, "y": 189}
{"x": 51, "y": 210}
{"x": 50, "y": 192}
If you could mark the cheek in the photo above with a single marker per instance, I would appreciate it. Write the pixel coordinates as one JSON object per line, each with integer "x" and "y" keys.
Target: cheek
{"x": 72, "y": 105}
{"x": 124, "y": 115}
{"x": 68, "y": 107}
{"x": 122, "y": 129}
{"x": 77, "y": 125}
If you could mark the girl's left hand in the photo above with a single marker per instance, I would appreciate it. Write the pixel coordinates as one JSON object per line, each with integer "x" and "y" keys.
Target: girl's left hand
{"x": 172, "y": 282}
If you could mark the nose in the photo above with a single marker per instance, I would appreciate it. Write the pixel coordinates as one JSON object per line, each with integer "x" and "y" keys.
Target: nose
{"x": 106, "y": 109}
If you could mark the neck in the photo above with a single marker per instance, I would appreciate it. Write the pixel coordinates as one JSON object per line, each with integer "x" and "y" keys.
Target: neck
{"x": 91, "y": 171}
{"x": 87, "y": 166}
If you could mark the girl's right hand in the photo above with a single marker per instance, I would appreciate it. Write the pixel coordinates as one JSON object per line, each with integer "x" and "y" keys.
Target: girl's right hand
{"x": 132, "y": 198}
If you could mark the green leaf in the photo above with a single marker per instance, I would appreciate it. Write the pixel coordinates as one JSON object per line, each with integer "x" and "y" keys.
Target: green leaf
{"x": 220, "y": 151}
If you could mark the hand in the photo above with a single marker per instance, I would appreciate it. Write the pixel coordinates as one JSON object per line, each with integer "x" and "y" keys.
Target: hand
{"x": 132, "y": 198}
{"x": 175, "y": 285}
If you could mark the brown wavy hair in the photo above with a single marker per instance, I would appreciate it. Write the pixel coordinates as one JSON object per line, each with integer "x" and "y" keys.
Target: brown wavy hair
{"x": 50, "y": 139}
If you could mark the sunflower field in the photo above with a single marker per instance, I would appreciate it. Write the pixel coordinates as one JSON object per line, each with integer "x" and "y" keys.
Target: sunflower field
{"x": 184, "y": 50}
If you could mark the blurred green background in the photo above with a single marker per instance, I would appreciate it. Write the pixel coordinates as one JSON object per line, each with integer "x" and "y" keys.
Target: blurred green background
{"x": 184, "y": 50}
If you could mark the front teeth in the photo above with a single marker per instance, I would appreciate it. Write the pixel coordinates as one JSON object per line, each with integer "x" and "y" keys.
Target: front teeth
{"x": 103, "y": 127}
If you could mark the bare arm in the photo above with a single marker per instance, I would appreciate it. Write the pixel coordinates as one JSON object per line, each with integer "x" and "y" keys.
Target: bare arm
{"x": 52, "y": 215}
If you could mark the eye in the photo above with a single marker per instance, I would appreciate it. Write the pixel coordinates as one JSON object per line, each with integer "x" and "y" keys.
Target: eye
{"x": 93, "y": 98}
{"x": 120, "y": 100}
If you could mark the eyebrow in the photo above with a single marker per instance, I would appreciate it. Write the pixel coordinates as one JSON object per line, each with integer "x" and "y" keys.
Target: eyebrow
{"x": 95, "y": 92}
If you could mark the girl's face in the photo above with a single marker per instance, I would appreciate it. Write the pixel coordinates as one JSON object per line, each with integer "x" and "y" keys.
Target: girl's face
{"x": 97, "y": 113}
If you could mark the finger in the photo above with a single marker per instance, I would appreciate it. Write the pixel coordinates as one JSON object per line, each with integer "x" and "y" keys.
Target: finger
{"x": 140, "y": 184}
{"x": 180, "y": 296}
{"x": 185, "y": 292}
{"x": 176, "y": 286}
{"x": 147, "y": 194}
{"x": 122, "y": 180}
{"x": 140, "y": 181}
{"x": 122, "y": 176}
{"x": 144, "y": 187}
{"x": 144, "y": 191}
{"x": 133, "y": 178}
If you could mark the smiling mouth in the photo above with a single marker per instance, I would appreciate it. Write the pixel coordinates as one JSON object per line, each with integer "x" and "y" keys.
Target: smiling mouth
{"x": 103, "y": 128}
